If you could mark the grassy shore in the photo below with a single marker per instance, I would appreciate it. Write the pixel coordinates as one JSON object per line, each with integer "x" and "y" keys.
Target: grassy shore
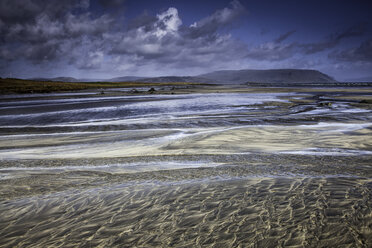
{"x": 13, "y": 85}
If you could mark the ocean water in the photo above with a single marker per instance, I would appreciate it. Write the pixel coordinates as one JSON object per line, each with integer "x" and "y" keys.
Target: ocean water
{"x": 240, "y": 169}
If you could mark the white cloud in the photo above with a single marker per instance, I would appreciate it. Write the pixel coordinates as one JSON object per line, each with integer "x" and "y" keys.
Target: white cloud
{"x": 168, "y": 22}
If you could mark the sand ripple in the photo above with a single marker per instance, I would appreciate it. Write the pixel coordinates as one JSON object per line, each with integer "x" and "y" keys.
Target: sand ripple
{"x": 250, "y": 212}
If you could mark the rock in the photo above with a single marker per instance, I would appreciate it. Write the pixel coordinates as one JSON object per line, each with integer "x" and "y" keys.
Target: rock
{"x": 134, "y": 91}
{"x": 366, "y": 101}
{"x": 325, "y": 104}
{"x": 152, "y": 90}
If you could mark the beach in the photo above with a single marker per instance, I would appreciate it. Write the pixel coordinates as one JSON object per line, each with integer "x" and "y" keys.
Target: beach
{"x": 187, "y": 166}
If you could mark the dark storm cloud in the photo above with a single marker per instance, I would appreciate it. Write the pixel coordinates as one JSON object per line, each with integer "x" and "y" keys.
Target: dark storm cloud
{"x": 358, "y": 29}
{"x": 333, "y": 40}
{"x": 44, "y": 28}
{"x": 284, "y": 36}
{"x": 97, "y": 36}
{"x": 145, "y": 21}
{"x": 20, "y": 11}
{"x": 276, "y": 50}
{"x": 42, "y": 31}
{"x": 111, "y": 3}
{"x": 165, "y": 39}
{"x": 272, "y": 51}
{"x": 67, "y": 30}
{"x": 361, "y": 53}
{"x": 43, "y": 52}
{"x": 216, "y": 21}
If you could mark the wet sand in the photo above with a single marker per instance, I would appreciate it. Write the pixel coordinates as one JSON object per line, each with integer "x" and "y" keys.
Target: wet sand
{"x": 262, "y": 212}
{"x": 204, "y": 167}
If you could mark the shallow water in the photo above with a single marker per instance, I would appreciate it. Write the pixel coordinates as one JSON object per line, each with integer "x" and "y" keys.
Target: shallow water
{"x": 216, "y": 169}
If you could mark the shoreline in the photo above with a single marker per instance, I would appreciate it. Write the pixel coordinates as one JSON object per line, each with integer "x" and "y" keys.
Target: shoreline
{"x": 9, "y": 86}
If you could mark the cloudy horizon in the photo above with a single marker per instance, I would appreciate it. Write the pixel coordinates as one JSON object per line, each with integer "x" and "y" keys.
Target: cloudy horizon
{"x": 106, "y": 39}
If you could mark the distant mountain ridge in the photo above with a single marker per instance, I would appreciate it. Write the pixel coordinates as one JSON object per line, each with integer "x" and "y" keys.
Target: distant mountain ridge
{"x": 268, "y": 76}
{"x": 124, "y": 79}
{"x": 360, "y": 79}
{"x": 57, "y": 79}
{"x": 272, "y": 76}
{"x": 184, "y": 79}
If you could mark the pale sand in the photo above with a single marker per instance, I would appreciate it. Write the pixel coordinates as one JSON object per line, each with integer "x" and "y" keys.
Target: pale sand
{"x": 249, "y": 212}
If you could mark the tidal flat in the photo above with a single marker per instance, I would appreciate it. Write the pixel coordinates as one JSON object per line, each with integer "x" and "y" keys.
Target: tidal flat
{"x": 187, "y": 166}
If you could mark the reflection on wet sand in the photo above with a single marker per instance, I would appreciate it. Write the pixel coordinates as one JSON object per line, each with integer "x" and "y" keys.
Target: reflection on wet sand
{"x": 236, "y": 169}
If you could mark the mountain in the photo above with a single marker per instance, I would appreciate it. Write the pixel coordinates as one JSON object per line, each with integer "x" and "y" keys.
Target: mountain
{"x": 360, "y": 79}
{"x": 170, "y": 79}
{"x": 264, "y": 77}
{"x": 73, "y": 80}
{"x": 57, "y": 79}
{"x": 267, "y": 76}
{"x": 124, "y": 79}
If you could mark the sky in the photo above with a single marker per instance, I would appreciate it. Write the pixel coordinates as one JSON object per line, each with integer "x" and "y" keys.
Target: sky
{"x": 113, "y": 38}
